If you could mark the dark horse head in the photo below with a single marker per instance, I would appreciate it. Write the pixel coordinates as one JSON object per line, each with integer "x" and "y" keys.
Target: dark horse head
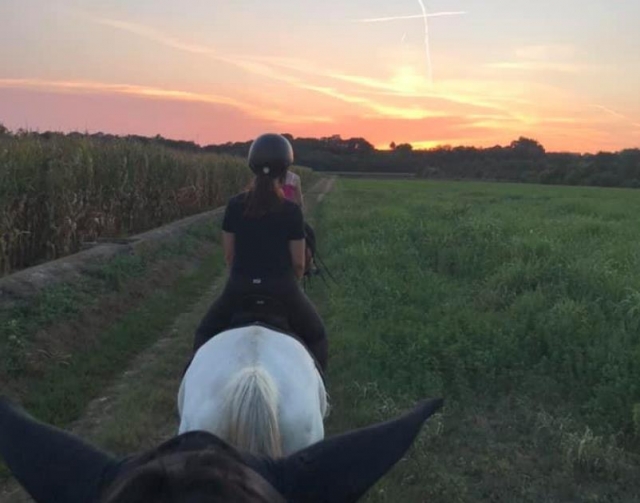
{"x": 197, "y": 467}
{"x": 336, "y": 470}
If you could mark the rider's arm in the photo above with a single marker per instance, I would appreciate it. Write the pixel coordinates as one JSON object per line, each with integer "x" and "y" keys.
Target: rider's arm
{"x": 298, "y": 191}
{"x": 228, "y": 244}
{"x": 229, "y": 224}
{"x": 298, "y": 196}
{"x": 297, "y": 241}
{"x": 298, "y": 257}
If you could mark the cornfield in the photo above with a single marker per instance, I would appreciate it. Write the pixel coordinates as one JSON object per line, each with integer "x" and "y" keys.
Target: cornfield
{"x": 59, "y": 191}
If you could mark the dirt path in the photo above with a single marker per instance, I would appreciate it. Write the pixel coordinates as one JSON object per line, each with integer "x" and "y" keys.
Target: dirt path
{"x": 100, "y": 408}
{"x": 139, "y": 409}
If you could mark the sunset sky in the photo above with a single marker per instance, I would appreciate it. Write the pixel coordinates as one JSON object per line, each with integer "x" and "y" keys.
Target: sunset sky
{"x": 566, "y": 72}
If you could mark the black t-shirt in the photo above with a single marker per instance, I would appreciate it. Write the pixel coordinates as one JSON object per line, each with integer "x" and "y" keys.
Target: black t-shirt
{"x": 262, "y": 244}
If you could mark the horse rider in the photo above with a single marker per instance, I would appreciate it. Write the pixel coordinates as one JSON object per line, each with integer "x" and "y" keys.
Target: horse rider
{"x": 292, "y": 187}
{"x": 264, "y": 245}
{"x": 292, "y": 190}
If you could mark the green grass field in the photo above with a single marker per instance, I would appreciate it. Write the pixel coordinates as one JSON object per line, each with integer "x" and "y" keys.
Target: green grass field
{"x": 518, "y": 304}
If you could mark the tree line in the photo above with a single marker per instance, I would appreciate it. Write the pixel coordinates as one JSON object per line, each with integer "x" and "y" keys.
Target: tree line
{"x": 523, "y": 160}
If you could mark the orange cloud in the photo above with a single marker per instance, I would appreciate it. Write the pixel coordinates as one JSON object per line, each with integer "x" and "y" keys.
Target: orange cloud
{"x": 125, "y": 114}
{"x": 257, "y": 110}
{"x": 404, "y": 82}
{"x": 388, "y": 111}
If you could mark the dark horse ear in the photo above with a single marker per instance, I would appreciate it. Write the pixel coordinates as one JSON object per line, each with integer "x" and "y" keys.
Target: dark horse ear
{"x": 342, "y": 468}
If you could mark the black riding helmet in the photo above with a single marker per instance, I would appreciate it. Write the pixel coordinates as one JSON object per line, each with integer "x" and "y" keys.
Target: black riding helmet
{"x": 270, "y": 155}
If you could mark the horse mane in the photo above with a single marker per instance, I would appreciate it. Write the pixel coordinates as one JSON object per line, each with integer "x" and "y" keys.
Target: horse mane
{"x": 232, "y": 390}
{"x": 250, "y": 413}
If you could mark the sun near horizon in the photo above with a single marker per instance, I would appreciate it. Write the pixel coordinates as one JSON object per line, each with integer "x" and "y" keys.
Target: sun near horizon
{"x": 565, "y": 73}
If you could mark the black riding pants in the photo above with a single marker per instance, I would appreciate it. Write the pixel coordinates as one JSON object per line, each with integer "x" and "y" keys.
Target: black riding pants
{"x": 303, "y": 318}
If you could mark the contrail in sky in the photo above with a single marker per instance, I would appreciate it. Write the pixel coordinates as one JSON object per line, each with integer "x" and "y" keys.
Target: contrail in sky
{"x": 617, "y": 115}
{"x": 413, "y": 16}
{"x": 611, "y": 112}
{"x": 425, "y": 17}
{"x": 426, "y": 41}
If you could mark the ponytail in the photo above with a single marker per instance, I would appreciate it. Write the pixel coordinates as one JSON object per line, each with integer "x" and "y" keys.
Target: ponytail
{"x": 264, "y": 196}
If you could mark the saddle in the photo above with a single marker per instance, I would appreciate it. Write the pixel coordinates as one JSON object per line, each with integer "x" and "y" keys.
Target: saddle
{"x": 267, "y": 312}
{"x": 261, "y": 308}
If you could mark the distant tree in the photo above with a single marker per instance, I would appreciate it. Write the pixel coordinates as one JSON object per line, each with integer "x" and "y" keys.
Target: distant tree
{"x": 359, "y": 144}
{"x": 404, "y": 147}
{"x": 3, "y": 130}
{"x": 629, "y": 162}
{"x": 392, "y": 145}
{"x": 527, "y": 147}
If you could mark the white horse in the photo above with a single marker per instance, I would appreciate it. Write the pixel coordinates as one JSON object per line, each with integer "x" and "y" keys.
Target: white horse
{"x": 257, "y": 389}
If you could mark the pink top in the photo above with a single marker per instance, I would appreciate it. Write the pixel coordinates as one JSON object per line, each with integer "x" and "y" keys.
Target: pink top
{"x": 289, "y": 192}
{"x": 289, "y": 186}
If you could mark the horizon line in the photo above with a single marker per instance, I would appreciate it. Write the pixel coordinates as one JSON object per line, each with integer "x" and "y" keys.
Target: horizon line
{"x": 378, "y": 147}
